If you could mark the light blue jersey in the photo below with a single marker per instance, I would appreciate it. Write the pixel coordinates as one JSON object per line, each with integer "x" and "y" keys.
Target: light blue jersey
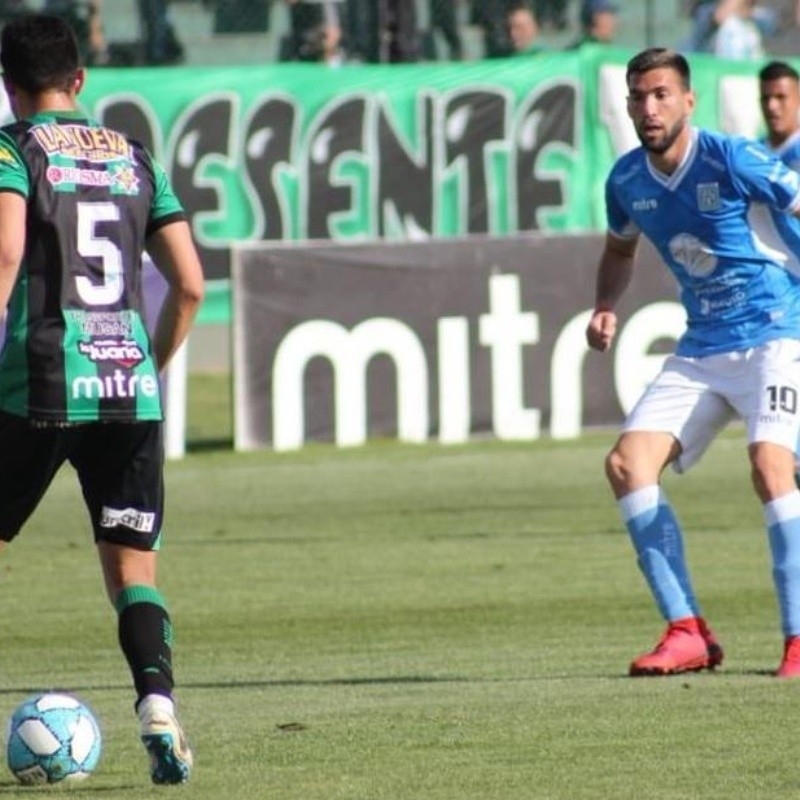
{"x": 788, "y": 152}
{"x": 712, "y": 223}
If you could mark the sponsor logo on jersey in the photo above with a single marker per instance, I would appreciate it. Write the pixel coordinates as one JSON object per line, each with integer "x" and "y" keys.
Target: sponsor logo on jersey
{"x": 120, "y": 385}
{"x": 82, "y": 142}
{"x": 645, "y": 204}
{"x": 123, "y": 179}
{"x": 103, "y": 324}
{"x": 708, "y": 197}
{"x": 712, "y": 305}
{"x": 141, "y": 521}
{"x": 124, "y": 352}
{"x": 57, "y": 176}
{"x": 693, "y": 254}
{"x": 7, "y": 156}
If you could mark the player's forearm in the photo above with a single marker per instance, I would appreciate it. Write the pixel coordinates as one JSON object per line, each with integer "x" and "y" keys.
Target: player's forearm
{"x": 174, "y": 323}
{"x": 613, "y": 277}
{"x": 8, "y": 277}
{"x": 614, "y": 271}
{"x": 12, "y": 243}
{"x": 174, "y": 254}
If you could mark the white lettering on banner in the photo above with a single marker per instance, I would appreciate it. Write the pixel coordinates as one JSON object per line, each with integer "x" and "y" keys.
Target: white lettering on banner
{"x": 566, "y": 378}
{"x": 504, "y": 330}
{"x": 634, "y": 366}
{"x": 119, "y": 384}
{"x": 613, "y": 109}
{"x": 455, "y": 403}
{"x": 739, "y": 108}
{"x": 349, "y": 353}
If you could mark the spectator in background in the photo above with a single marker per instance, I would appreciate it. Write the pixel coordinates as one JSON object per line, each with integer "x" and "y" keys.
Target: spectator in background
{"x": 490, "y": 16}
{"x": 523, "y": 30}
{"x": 398, "y": 36}
{"x": 308, "y": 21}
{"x": 599, "y": 22}
{"x": 552, "y": 13}
{"x": 443, "y": 19}
{"x": 359, "y": 26}
{"x": 708, "y": 15}
{"x": 737, "y": 34}
{"x": 333, "y": 54}
{"x": 161, "y": 45}
{"x": 370, "y": 30}
{"x": 85, "y": 20}
{"x": 779, "y": 97}
{"x": 703, "y": 25}
{"x": 324, "y": 43}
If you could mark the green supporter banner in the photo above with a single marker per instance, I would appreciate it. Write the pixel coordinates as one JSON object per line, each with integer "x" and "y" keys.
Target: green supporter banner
{"x": 294, "y": 152}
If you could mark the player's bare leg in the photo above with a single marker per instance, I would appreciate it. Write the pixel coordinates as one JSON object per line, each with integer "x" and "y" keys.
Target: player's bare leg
{"x": 145, "y": 635}
{"x": 634, "y": 468}
{"x": 774, "y": 482}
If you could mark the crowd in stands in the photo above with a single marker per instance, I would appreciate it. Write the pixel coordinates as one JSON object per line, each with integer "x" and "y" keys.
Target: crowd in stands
{"x": 156, "y": 44}
{"x": 388, "y": 30}
{"x": 377, "y": 31}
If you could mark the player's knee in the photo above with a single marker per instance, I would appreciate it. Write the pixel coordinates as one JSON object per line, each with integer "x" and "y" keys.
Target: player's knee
{"x": 771, "y": 472}
{"x": 618, "y": 470}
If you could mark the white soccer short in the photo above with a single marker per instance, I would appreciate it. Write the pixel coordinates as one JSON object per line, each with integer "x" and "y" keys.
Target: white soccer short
{"x": 695, "y": 398}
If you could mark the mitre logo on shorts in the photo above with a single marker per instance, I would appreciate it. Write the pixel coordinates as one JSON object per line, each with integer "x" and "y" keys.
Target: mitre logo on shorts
{"x": 133, "y": 518}
{"x": 124, "y": 352}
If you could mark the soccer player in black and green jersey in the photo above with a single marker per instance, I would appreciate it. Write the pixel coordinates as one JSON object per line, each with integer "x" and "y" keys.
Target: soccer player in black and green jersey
{"x": 78, "y": 373}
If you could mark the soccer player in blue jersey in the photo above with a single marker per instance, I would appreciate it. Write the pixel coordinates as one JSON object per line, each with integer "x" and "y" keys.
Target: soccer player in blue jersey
{"x": 704, "y": 201}
{"x": 79, "y": 203}
{"x": 779, "y": 95}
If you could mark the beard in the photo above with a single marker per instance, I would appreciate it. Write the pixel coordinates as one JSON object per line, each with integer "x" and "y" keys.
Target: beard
{"x": 664, "y": 144}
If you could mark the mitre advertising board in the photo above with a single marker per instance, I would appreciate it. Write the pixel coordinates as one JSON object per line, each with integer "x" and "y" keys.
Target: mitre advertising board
{"x": 437, "y": 341}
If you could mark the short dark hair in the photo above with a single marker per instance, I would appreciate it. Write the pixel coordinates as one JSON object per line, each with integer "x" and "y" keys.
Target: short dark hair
{"x": 776, "y": 70}
{"x": 589, "y": 10}
{"x": 660, "y": 58}
{"x": 520, "y": 5}
{"x": 39, "y": 52}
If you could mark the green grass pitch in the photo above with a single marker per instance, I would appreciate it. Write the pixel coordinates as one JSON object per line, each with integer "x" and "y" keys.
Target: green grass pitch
{"x": 418, "y": 623}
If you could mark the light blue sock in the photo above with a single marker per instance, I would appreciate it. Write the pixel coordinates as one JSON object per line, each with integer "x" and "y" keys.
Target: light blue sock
{"x": 657, "y": 538}
{"x": 783, "y": 526}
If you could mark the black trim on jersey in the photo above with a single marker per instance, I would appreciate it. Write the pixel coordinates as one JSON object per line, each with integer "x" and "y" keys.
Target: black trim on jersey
{"x": 157, "y": 224}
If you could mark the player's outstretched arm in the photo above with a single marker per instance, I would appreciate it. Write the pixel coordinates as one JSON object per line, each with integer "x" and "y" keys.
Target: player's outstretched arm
{"x": 613, "y": 276}
{"x": 13, "y": 210}
{"x": 175, "y": 255}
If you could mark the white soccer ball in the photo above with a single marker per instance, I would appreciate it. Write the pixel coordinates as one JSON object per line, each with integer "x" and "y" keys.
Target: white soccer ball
{"x": 52, "y": 737}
